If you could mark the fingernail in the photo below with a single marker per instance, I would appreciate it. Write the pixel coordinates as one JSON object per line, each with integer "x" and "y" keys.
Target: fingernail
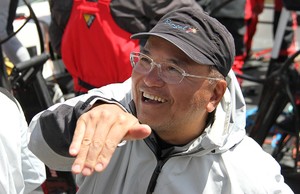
{"x": 72, "y": 151}
{"x": 86, "y": 171}
{"x": 99, "y": 167}
{"x": 76, "y": 168}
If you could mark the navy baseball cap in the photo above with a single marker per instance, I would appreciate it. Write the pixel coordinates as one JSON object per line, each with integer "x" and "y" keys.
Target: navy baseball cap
{"x": 201, "y": 37}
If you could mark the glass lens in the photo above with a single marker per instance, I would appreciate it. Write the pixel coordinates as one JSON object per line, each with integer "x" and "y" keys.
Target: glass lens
{"x": 144, "y": 63}
{"x": 140, "y": 62}
{"x": 168, "y": 72}
{"x": 171, "y": 73}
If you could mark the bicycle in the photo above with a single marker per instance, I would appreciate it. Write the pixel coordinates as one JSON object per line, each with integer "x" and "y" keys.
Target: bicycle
{"x": 280, "y": 89}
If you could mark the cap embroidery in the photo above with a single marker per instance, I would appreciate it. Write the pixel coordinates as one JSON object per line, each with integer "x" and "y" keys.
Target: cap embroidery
{"x": 185, "y": 28}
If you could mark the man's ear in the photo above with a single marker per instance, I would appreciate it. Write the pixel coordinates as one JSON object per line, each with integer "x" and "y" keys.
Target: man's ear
{"x": 218, "y": 92}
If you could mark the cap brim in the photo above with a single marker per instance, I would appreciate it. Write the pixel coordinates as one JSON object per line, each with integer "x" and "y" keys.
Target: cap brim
{"x": 182, "y": 45}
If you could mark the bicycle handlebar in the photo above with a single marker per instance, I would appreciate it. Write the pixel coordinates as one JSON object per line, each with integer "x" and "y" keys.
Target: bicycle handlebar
{"x": 275, "y": 74}
{"x": 33, "y": 62}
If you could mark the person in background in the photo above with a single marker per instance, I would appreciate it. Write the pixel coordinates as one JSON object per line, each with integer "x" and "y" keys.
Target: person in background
{"x": 21, "y": 171}
{"x": 241, "y": 17}
{"x": 288, "y": 46}
{"x": 93, "y": 36}
{"x": 13, "y": 48}
{"x": 255, "y": 8}
{"x": 177, "y": 126}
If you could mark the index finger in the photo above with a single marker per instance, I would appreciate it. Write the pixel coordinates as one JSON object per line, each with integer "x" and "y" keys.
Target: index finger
{"x": 77, "y": 137}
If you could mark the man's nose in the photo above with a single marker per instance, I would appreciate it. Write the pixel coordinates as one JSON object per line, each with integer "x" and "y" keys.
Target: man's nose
{"x": 156, "y": 69}
{"x": 153, "y": 78}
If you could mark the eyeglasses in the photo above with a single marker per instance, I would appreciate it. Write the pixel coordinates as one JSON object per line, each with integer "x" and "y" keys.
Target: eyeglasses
{"x": 169, "y": 73}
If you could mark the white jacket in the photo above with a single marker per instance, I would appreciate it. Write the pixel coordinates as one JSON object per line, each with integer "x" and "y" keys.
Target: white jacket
{"x": 20, "y": 171}
{"x": 221, "y": 160}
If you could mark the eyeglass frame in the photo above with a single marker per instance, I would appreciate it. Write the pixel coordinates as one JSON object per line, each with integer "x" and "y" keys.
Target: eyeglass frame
{"x": 158, "y": 65}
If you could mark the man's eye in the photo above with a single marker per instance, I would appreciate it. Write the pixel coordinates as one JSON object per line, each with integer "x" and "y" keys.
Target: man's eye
{"x": 145, "y": 60}
{"x": 172, "y": 69}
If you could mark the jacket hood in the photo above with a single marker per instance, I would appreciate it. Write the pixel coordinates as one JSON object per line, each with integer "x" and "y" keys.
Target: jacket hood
{"x": 228, "y": 128}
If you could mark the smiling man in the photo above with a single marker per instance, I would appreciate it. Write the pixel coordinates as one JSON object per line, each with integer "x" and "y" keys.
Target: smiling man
{"x": 168, "y": 99}
{"x": 177, "y": 126}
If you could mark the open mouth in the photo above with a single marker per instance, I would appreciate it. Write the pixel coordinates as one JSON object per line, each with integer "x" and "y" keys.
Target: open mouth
{"x": 152, "y": 98}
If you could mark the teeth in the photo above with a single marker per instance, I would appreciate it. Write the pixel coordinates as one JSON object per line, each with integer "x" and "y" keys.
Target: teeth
{"x": 151, "y": 97}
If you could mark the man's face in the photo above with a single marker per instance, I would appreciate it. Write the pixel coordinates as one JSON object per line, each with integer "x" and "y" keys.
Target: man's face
{"x": 176, "y": 112}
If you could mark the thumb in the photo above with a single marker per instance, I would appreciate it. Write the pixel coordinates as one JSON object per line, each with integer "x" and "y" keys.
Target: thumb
{"x": 139, "y": 131}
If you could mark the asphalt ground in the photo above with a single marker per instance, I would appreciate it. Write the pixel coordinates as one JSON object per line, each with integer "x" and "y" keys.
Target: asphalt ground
{"x": 257, "y": 67}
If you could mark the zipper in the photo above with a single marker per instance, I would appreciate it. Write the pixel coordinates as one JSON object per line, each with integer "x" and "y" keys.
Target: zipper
{"x": 155, "y": 175}
{"x": 161, "y": 157}
{"x": 152, "y": 144}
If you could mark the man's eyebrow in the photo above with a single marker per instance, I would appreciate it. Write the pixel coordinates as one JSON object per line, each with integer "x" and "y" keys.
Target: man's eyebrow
{"x": 175, "y": 61}
{"x": 144, "y": 51}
